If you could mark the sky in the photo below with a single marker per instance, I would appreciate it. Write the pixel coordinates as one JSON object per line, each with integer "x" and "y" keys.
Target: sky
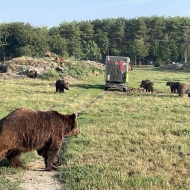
{"x": 51, "y": 13}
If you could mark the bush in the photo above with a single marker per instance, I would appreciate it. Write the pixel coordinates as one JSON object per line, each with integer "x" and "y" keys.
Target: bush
{"x": 50, "y": 74}
{"x": 158, "y": 63}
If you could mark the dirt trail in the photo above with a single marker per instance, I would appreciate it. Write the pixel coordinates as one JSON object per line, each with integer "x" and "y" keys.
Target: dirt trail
{"x": 36, "y": 178}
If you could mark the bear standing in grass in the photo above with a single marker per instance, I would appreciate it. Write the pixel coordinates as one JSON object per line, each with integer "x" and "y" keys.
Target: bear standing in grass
{"x": 147, "y": 85}
{"x": 61, "y": 85}
{"x": 184, "y": 89}
{"x": 174, "y": 86}
{"x": 25, "y": 130}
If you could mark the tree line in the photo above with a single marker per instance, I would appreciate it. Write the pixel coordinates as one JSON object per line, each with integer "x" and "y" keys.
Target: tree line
{"x": 157, "y": 40}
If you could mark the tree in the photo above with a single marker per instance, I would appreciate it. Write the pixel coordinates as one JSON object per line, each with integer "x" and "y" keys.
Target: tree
{"x": 86, "y": 31}
{"x": 23, "y": 39}
{"x": 71, "y": 33}
{"x": 102, "y": 42}
{"x": 139, "y": 49}
{"x": 186, "y": 45}
{"x": 91, "y": 51}
{"x": 58, "y": 45}
{"x": 4, "y": 33}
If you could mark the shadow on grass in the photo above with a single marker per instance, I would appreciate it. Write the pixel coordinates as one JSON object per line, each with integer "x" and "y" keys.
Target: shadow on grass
{"x": 160, "y": 69}
{"x": 144, "y": 94}
{"x": 88, "y": 86}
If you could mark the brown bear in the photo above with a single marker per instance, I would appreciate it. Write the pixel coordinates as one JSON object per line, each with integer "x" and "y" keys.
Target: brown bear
{"x": 147, "y": 85}
{"x": 59, "y": 59}
{"x": 184, "y": 89}
{"x": 32, "y": 73}
{"x": 174, "y": 86}
{"x": 61, "y": 85}
{"x": 25, "y": 130}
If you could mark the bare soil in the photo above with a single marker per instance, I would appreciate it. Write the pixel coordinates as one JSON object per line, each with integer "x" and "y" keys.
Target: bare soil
{"x": 36, "y": 178}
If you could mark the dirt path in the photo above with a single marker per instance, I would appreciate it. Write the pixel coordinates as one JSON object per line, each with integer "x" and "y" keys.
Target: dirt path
{"x": 36, "y": 178}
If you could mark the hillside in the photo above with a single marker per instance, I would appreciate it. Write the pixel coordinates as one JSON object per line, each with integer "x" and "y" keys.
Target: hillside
{"x": 18, "y": 67}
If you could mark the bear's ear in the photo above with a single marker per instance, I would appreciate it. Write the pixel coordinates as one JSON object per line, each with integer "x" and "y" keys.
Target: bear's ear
{"x": 73, "y": 116}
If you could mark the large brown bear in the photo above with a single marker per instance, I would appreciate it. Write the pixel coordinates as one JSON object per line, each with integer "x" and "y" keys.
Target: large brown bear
{"x": 147, "y": 85}
{"x": 184, "y": 89}
{"x": 25, "y": 130}
{"x": 174, "y": 86}
{"x": 61, "y": 85}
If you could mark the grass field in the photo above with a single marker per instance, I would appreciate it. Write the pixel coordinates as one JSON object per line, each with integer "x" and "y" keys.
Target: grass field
{"x": 127, "y": 140}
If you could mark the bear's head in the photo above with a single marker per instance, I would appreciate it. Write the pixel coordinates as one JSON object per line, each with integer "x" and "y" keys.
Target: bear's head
{"x": 32, "y": 73}
{"x": 169, "y": 83}
{"x": 143, "y": 84}
{"x": 66, "y": 85}
{"x": 72, "y": 127}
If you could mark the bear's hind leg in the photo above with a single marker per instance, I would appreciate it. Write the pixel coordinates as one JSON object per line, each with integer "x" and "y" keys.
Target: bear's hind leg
{"x": 14, "y": 159}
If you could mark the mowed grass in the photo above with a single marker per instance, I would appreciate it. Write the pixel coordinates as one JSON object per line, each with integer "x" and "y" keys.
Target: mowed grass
{"x": 127, "y": 140}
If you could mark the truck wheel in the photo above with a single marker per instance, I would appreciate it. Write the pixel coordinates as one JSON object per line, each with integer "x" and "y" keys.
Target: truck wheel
{"x": 124, "y": 90}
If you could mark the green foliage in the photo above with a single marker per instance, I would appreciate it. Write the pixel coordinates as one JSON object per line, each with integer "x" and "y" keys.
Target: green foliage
{"x": 91, "y": 51}
{"x": 8, "y": 185}
{"x": 79, "y": 70}
{"x": 139, "y": 50}
{"x": 23, "y": 51}
{"x": 50, "y": 74}
{"x": 144, "y": 38}
{"x": 158, "y": 63}
{"x": 76, "y": 177}
{"x": 76, "y": 69}
{"x": 58, "y": 45}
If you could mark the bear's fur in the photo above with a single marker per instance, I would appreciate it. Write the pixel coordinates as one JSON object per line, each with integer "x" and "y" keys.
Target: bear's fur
{"x": 184, "y": 89}
{"x": 32, "y": 73}
{"x": 147, "y": 85}
{"x": 25, "y": 130}
{"x": 59, "y": 59}
{"x": 174, "y": 86}
{"x": 61, "y": 85}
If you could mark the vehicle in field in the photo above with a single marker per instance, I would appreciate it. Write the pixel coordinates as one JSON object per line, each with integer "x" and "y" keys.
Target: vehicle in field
{"x": 117, "y": 68}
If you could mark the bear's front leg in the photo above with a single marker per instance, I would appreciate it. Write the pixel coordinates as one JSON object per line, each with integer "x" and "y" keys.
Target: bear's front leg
{"x": 50, "y": 156}
{"x": 42, "y": 152}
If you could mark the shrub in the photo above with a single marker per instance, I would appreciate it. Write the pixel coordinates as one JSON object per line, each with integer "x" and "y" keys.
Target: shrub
{"x": 50, "y": 74}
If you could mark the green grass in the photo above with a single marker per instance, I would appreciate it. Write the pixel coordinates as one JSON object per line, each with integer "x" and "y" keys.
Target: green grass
{"x": 127, "y": 140}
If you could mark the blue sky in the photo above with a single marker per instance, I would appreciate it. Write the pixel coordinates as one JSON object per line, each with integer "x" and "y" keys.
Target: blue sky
{"x": 53, "y": 12}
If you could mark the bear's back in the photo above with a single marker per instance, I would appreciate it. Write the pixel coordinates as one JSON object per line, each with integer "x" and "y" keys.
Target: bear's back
{"x": 26, "y": 120}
